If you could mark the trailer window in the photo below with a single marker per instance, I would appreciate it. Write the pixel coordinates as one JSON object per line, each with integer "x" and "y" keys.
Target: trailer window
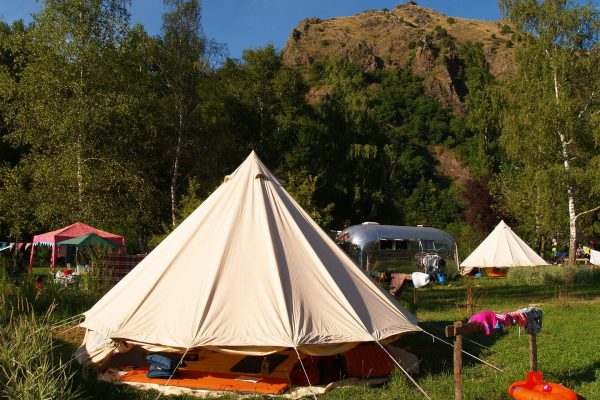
{"x": 393, "y": 244}
{"x": 385, "y": 244}
{"x": 427, "y": 245}
{"x": 401, "y": 244}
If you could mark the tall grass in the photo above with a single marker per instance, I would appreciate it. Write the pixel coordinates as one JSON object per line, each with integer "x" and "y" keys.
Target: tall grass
{"x": 98, "y": 280}
{"x": 554, "y": 275}
{"x": 29, "y": 366}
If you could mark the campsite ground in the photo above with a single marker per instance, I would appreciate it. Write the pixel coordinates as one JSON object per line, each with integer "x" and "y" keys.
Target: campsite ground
{"x": 567, "y": 347}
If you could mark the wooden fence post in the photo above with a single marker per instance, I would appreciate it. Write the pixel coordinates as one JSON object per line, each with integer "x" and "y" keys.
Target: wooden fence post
{"x": 469, "y": 300}
{"x": 457, "y": 363}
{"x": 456, "y": 331}
{"x": 532, "y": 352}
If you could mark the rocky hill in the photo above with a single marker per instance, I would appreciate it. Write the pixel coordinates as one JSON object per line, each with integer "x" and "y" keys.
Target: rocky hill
{"x": 409, "y": 36}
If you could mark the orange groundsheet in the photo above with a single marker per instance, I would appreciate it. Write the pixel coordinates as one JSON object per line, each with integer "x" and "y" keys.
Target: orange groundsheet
{"x": 211, "y": 381}
{"x": 497, "y": 272}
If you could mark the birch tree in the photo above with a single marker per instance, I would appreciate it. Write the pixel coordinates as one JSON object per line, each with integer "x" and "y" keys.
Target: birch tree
{"x": 181, "y": 61}
{"x": 554, "y": 102}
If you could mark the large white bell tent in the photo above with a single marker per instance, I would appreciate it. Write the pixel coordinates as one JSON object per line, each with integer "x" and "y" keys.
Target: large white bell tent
{"x": 248, "y": 272}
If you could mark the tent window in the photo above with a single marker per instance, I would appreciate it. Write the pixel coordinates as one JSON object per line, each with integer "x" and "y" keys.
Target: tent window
{"x": 427, "y": 245}
{"x": 393, "y": 244}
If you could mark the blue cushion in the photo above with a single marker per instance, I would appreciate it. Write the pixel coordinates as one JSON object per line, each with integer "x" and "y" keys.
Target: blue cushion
{"x": 156, "y": 372}
{"x": 161, "y": 362}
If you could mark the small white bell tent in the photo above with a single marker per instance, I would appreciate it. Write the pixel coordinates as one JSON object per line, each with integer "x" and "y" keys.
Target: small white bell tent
{"x": 501, "y": 249}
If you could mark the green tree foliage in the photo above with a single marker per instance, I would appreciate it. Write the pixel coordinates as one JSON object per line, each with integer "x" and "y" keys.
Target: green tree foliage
{"x": 550, "y": 126}
{"x": 484, "y": 104}
{"x": 302, "y": 187}
{"x": 371, "y": 146}
{"x": 72, "y": 104}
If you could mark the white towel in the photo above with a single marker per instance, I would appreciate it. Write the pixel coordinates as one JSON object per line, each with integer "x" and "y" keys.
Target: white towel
{"x": 595, "y": 257}
{"x": 419, "y": 279}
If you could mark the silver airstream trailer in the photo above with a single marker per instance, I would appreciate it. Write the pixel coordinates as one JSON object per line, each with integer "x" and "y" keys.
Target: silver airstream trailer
{"x": 391, "y": 248}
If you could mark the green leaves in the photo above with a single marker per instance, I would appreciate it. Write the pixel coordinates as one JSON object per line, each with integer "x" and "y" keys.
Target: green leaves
{"x": 549, "y": 124}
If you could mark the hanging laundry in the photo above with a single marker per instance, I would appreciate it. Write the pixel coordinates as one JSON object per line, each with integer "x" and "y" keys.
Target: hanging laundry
{"x": 518, "y": 318}
{"x": 398, "y": 282}
{"x": 533, "y": 317}
{"x": 507, "y": 320}
{"x": 594, "y": 257}
{"x": 488, "y": 320}
{"x": 420, "y": 279}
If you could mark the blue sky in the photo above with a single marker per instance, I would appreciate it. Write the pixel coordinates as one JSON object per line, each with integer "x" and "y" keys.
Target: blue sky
{"x": 242, "y": 24}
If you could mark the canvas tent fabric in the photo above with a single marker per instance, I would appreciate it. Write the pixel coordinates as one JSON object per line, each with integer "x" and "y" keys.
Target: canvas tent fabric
{"x": 69, "y": 232}
{"x": 503, "y": 249}
{"x": 248, "y": 272}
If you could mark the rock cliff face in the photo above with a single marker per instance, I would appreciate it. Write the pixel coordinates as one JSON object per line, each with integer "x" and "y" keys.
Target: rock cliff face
{"x": 411, "y": 37}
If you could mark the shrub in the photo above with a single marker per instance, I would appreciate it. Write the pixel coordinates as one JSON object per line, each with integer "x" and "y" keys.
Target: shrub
{"x": 505, "y": 29}
{"x": 441, "y": 32}
{"x": 98, "y": 280}
{"x": 451, "y": 20}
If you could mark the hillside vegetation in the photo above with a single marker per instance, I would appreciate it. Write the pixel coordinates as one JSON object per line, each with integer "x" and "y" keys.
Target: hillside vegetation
{"x": 409, "y": 37}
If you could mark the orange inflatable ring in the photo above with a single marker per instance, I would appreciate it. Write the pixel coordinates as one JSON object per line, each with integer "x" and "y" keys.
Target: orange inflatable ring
{"x": 535, "y": 389}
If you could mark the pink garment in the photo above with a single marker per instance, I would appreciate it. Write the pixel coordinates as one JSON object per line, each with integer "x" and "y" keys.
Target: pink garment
{"x": 509, "y": 319}
{"x": 488, "y": 320}
{"x": 518, "y": 318}
{"x": 505, "y": 320}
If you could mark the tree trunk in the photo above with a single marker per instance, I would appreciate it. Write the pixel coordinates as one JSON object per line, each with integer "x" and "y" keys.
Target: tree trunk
{"x": 142, "y": 242}
{"x": 538, "y": 236}
{"x": 543, "y": 247}
{"x": 79, "y": 174}
{"x": 572, "y": 226}
{"x": 15, "y": 256}
{"x": 80, "y": 139}
{"x": 176, "y": 164}
{"x": 570, "y": 195}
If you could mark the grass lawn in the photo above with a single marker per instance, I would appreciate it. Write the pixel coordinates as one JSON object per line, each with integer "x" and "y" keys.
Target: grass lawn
{"x": 568, "y": 346}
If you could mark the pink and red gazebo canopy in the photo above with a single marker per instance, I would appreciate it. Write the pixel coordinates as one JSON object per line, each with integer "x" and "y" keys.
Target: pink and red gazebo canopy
{"x": 69, "y": 232}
